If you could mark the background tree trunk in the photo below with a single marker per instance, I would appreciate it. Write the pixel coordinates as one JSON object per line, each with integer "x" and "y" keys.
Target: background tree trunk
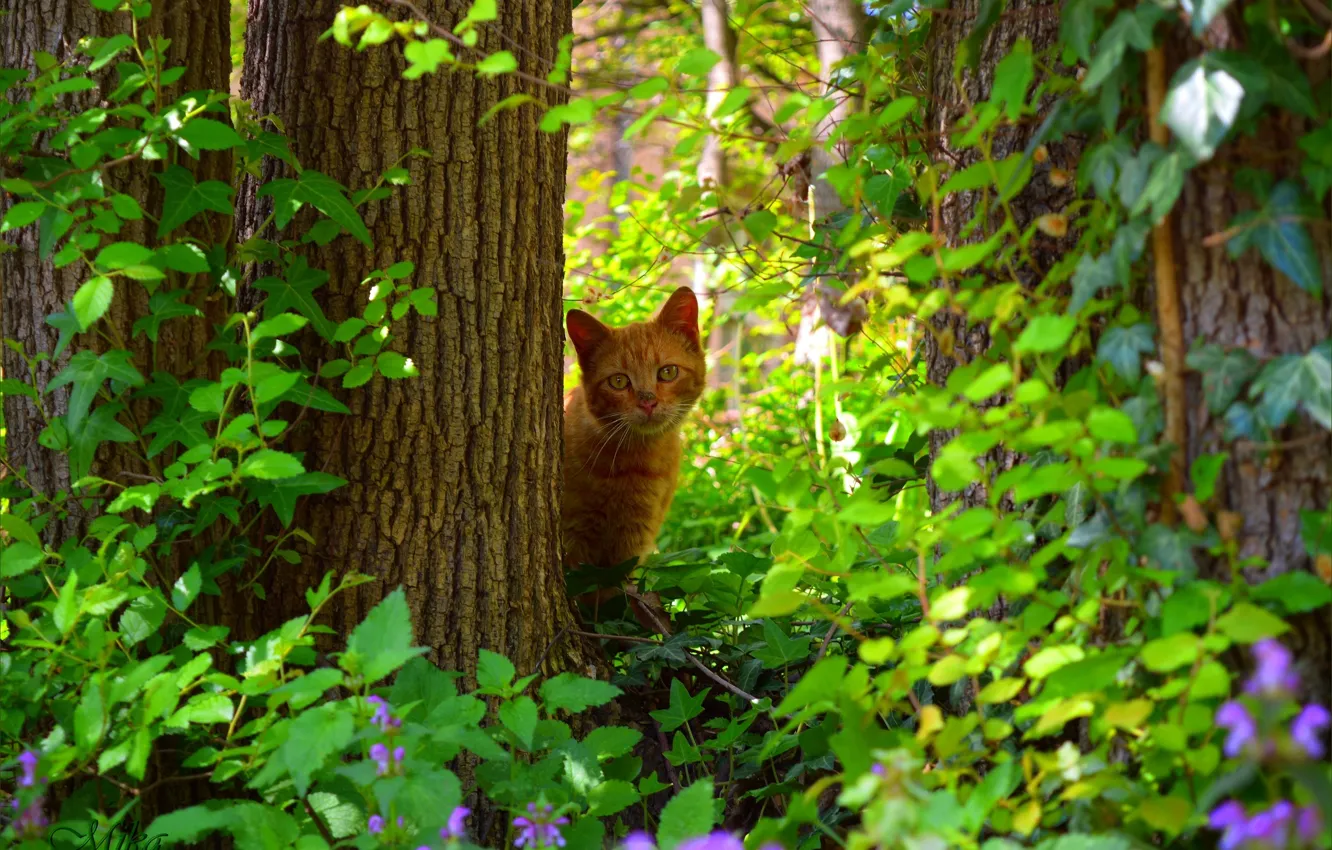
{"x": 454, "y": 475}
{"x": 953, "y": 340}
{"x": 199, "y": 31}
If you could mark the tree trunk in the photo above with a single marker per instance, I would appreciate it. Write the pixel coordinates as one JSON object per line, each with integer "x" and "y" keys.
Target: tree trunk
{"x": 1244, "y": 303}
{"x": 453, "y": 476}
{"x": 955, "y": 342}
{"x": 199, "y": 31}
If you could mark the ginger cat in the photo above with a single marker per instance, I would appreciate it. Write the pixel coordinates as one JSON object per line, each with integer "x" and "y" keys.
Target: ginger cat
{"x": 622, "y": 436}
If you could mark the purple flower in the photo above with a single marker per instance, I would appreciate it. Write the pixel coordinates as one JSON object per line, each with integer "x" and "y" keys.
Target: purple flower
{"x": 380, "y": 754}
{"x": 638, "y": 840}
{"x": 1308, "y": 824}
{"x": 1273, "y": 675}
{"x": 399, "y": 755}
{"x": 718, "y": 840}
{"x": 1306, "y": 728}
{"x": 1271, "y": 827}
{"x": 31, "y": 820}
{"x": 455, "y": 828}
{"x": 1228, "y": 819}
{"x": 28, "y": 761}
{"x": 538, "y": 829}
{"x": 383, "y": 717}
{"x": 1236, "y": 718}
{"x": 376, "y": 825}
{"x": 879, "y": 769}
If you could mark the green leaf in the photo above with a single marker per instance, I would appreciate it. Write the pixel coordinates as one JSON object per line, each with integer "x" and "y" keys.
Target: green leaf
{"x": 1294, "y": 380}
{"x": 1203, "y": 12}
{"x": 391, "y": 364}
{"x": 1278, "y": 231}
{"x": 823, "y": 681}
{"x": 328, "y": 196}
{"x": 186, "y": 588}
{"x": 610, "y": 797}
{"x": 89, "y": 716}
{"x": 184, "y": 199}
{"x": 1225, "y": 373}
{"x": 697, "y": 62}
{"x": 519, "y": 716}
{"x": 383, "y": 641}
{"x": 497, "y": 63}
{"x": 779, "y": 650}
{"x": 122, "y": 254}
{"x": 1201, "y": 107}
{"x": 494, "y": 671}
{"x": 574, "y": 693}
{"x": 1012, "y": 77}
{"x": 1045, "y": 333}
{"x": 425, "y": 57}
{"x": 270, "y": 464}
{"x": 760, "y": 224}
{"x": 1296, "y": 592}
{"x": 296, "y": 293}
{"x": 1112, "y": 425}
{"x": 1170, "y": 653}
{"x": 22, "y": 214}
{"x": 66, "y": 611}
{"x": 255, "y": 826}
{"x": 314, "y": 736}
{"x": 689, "y": 814}
{"x": 1091, "y": 276}
{"x": 1123, "y": 348}
{"x": 682, "y": 707}
{"x": 93, "y": 300}
{"x": 280, "y": 325}
{"x": 1246, "y": 623}
{"x": 209, "y": 135}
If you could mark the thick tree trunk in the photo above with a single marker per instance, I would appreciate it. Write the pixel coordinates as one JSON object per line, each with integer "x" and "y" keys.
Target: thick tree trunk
{"x": 199, "y": 31}
{"x": 1243, "y": 303}
{"x": 453, "y": 489}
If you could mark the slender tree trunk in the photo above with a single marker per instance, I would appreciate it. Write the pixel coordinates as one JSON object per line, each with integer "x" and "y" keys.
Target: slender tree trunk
{"x": 453, "y": 489}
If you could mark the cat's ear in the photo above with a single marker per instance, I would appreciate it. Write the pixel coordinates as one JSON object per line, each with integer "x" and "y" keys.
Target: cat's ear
{"x": 680, "y": 314}
{"x": 586, "y": 333}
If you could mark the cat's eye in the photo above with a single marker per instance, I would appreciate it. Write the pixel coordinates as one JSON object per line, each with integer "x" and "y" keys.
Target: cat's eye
{"x": 668, "y": 373}
{"x": 619, "y": 382}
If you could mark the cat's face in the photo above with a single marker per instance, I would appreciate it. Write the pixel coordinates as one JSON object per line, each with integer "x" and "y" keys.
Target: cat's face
{"x": 646, "y": 376}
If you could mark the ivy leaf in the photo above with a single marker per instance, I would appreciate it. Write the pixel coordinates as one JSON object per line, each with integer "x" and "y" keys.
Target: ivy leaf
{"x": 1168, "y": 549}
{"x": 1012, "y": 77}
{"x": 1280, "y": 236}
{"x": 184, "y": 199}
{"x": 1224, "y": 373}
{"x": 1078, "y": 24}
{"x": 296, "y": 293}
{"x": 682, "y": 707}
{"x": 329, "y": 197}
{"x": 780, "y": 650}
{"x": 1201, "y": 107}
{"x": 1203, "y": 12}
{"x": 383, "y": 641}
{"x": 1123, "y": 348}
{"x": 281, "y": 495}
{"x": 1295, "y": 380}
{"x": 1092, "y": 275}
{"x": 285, "y": 202}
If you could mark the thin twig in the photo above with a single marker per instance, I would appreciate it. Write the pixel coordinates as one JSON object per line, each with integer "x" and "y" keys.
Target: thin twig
{"x": 1167, "y": 307}
{"x": 716, "y": 677}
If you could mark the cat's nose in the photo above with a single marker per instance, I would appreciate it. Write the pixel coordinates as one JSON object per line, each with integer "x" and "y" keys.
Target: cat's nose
{"x": 647, "y": 401}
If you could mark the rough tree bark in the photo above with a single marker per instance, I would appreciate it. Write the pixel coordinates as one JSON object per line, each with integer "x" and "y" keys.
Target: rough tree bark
{"x": 1232, "y": 302}
{"x": 953, "y": 341}
{"x": 199, "y": 31}
{"x": 453, "y": 476}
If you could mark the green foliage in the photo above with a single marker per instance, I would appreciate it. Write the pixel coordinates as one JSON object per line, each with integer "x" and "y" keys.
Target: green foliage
{"x": 1032, "y": 658}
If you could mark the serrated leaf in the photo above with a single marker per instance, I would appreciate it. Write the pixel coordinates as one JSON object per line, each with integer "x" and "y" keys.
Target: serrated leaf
{"x": 328, "y": 196}
{"x": 383, "y": 641}
{"x": 574, "y": 693}
{"x": 92, "y": 300}
{"x": 689, "y": 814}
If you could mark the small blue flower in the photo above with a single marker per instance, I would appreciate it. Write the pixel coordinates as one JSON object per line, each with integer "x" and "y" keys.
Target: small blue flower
{"x": 376, "y": 825}
{"x": 638, "y": 840}
{"x": 1234, "y": 717}
{"x": 1308, "y": 824}
{"x": 538, "y": 830}
{"x": 28, "y": 761}
{"x": 1306, "y": 729}
{"x": 383, "y": 716}
{"x": 1273, "y": 675}
{"x": 1229, "y": 819}
{"x": 718, "y": 840}
{"x": 456, "y": 828}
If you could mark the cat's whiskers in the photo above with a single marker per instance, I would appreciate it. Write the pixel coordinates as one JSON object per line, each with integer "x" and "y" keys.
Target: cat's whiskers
{"x": 620, "y": 422}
